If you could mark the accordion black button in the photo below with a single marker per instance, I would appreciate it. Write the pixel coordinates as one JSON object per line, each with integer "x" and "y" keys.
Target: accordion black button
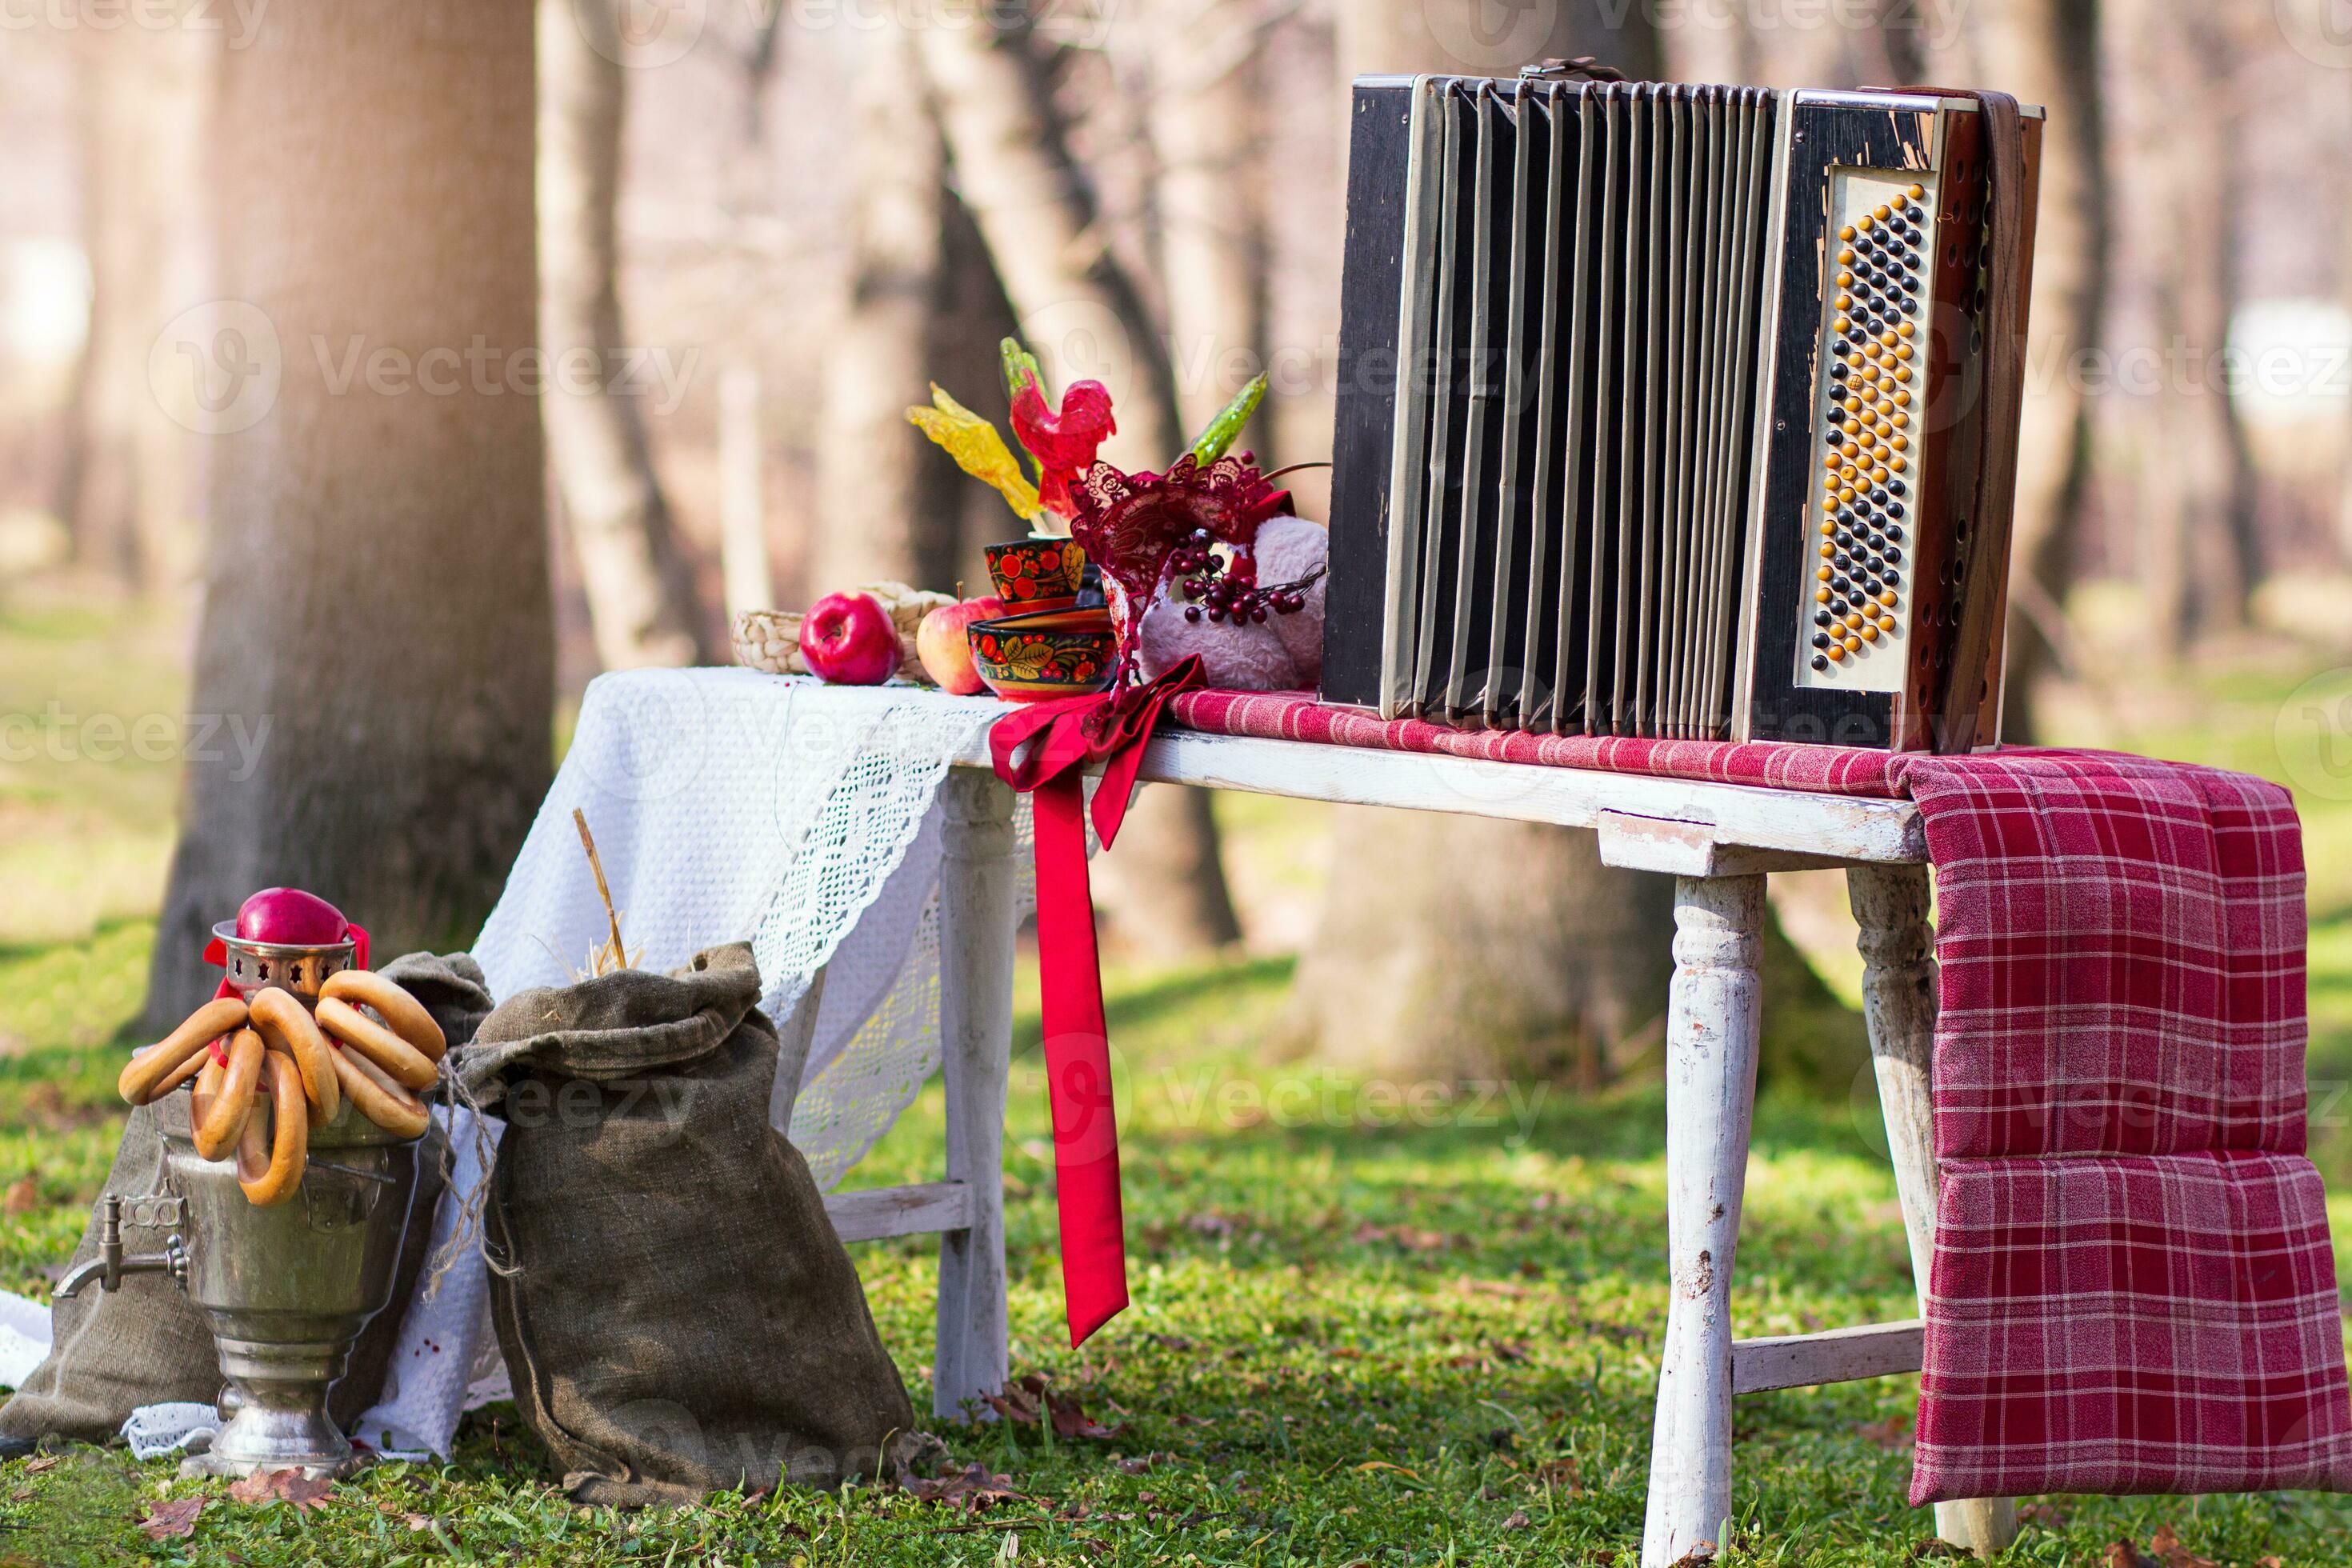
{"x": 1894, "y": 534}
{"x": 1894, "y": 555}
{"x": 1894, "y": 487}
{"x": 1821, "y": 661}
{"x": 1820, "y": 639}
{"x": 1910, "y": 307}
{"x": 1894, "y": 509}
{"x": 1838, "y": 583}
{"x": 1821, "y": 617}
{"x": 1910, "y": 286}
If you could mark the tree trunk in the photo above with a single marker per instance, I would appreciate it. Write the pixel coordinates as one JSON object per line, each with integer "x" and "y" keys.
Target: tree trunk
{"x": 1458, "y": 944}
{"x": 1205, "y": 133}
{"x": 637, "y": 574}
{"x": 886, "y": 498}
{"x": 1082, "y": 316}
{"x": 121, "y": 487}
{"x": 2198, "y": 475}
{"x": 2047, "y": 52}
{"x": 377, "y": 639}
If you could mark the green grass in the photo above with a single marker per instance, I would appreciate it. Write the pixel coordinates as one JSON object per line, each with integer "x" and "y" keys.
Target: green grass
{"x": 1356, "y": 1338}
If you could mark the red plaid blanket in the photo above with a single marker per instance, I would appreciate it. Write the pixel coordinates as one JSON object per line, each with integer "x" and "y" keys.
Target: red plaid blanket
{"x": 2133, "y": 1287}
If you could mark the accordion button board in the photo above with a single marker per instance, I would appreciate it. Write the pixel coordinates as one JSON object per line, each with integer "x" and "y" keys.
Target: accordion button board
{"x": 1663, "y": 410}
{"x": 1878, "y": 295}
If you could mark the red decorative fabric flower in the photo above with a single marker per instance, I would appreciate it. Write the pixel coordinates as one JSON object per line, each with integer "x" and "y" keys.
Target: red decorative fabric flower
{"x": 1063, "y": 442}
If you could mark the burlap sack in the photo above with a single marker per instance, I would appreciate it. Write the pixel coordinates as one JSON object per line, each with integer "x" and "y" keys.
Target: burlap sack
{"x": 681, "y": 1318}
{"x": 145, "y": 1344}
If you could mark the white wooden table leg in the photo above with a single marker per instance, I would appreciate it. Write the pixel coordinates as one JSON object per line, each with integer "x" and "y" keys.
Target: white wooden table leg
{"x": 1712, "y": 1020}
{"x": 976, "y": 891}
{"x": 1898, "y": 997}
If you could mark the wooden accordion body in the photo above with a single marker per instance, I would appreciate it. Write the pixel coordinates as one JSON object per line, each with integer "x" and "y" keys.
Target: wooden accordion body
{"x": 1682, "y": 412}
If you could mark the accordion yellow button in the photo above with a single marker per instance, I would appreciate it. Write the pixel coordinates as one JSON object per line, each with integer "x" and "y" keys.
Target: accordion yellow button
{"x": 1836, "y": 652}
{"x": 1822, "y": 574}
{"x": 1846, "y": 233}
{"x": 1844, "y": 494}
{"x": 1878, "y": 475}
{"x": 1900, "y": 418}
{"x": 1907, "y": 329}
{"x": 1852, "y": 618}
{"x": 1829, "y": 548}
{"x": 1886, "y": 598}
{"x": 1887, "y": 625}
{"x": 1844, "y": 300}
{"x": 1852, "y": 644}
{"x": 1917, "y": 192}
{"x": 1869, "y": 630}
{"x": 1883, "y": 213}
{"x": 1901, "y": 400}
{"x": 1901, "y": 201}
{"x": 1846, "y": 280}
{"x": 1841, "y": 324}
{"x": 1896, "y": 463}
{"x": 1864, "y": 223}
{"x": 1829, "y": 525}
{"x": 1899, "y": 442}
{"x": 1888, "y": 338}
{"x": 1845, "y": 257}
{"x": 1903, "y": 351}
{"x": 1903, "y": 373}
{"x": 1821, "y": 595}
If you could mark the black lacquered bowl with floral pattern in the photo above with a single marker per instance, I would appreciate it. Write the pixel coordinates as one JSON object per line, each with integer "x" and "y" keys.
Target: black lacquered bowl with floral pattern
{"x": 1045, "y": 654}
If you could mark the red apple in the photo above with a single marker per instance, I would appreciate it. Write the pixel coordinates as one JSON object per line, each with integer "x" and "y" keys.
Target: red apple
{"x": 847, "y": 639}
{"x": 944, "y": 643}
{"x": 289, "y": 915}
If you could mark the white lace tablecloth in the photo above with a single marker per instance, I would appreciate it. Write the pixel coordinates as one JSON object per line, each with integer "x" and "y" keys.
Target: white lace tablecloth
{"x": 728, "y": 805}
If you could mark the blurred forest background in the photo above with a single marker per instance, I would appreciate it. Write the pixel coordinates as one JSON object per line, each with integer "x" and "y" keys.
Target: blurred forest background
{"x": 762, "y": 226}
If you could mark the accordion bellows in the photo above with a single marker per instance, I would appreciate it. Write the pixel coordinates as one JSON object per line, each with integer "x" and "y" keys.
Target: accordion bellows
{"x": 1678, "y": 411}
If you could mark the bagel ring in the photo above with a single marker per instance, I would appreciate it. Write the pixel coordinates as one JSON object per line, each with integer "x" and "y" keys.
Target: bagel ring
{"x": 215, "y": 1132}
{"x": 403, "y": 1013}
{"x": 289, "y": 1144}
{"x": 202, "y": 1098}
{"x": 402, "y": 1062}
{"x": 289, "y": 1028}
{"x": 380, "y": 1099}
{"x": 159, "y": 1066}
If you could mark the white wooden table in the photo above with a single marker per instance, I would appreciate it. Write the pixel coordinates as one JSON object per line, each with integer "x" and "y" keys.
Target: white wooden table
{"x": 1718, "y": 842}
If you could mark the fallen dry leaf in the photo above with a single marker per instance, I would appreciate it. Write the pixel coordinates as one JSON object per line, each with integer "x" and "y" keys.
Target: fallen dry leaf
{"x": 1561, "y": 1473}
{"x": 2168, "y": 1550}
{"x": 1519, "y": 1521}
{"x": 24, "y": 1194}
{"x": 970, "y": 1488}
{"x": 1070, "y": 1420}
{"x": 281, "y": 1486}
{"x": 173, "y": 1520}
{"x": 45, "y": 1463}
{"x": 2124, "y": 1554}
{"x": 1699, "y": 1556}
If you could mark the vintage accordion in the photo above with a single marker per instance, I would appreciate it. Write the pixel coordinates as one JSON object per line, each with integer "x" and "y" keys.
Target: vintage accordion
{"x": 1681, "y": 412}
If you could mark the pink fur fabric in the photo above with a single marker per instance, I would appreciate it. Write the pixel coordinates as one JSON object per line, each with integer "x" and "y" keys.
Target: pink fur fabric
{"x": 1284, "y": 653}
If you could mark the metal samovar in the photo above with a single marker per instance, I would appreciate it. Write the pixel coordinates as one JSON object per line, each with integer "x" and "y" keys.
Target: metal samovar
{"x": 288, "y": 1289}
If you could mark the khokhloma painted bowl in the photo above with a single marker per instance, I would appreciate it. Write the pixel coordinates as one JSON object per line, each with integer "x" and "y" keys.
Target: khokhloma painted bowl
{"x": 1037, "y": 573}
{"x": 1045, "y": 653}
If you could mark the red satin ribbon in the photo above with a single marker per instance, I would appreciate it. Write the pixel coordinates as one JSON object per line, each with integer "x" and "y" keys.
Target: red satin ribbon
{"x": 1069, "y": 735}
